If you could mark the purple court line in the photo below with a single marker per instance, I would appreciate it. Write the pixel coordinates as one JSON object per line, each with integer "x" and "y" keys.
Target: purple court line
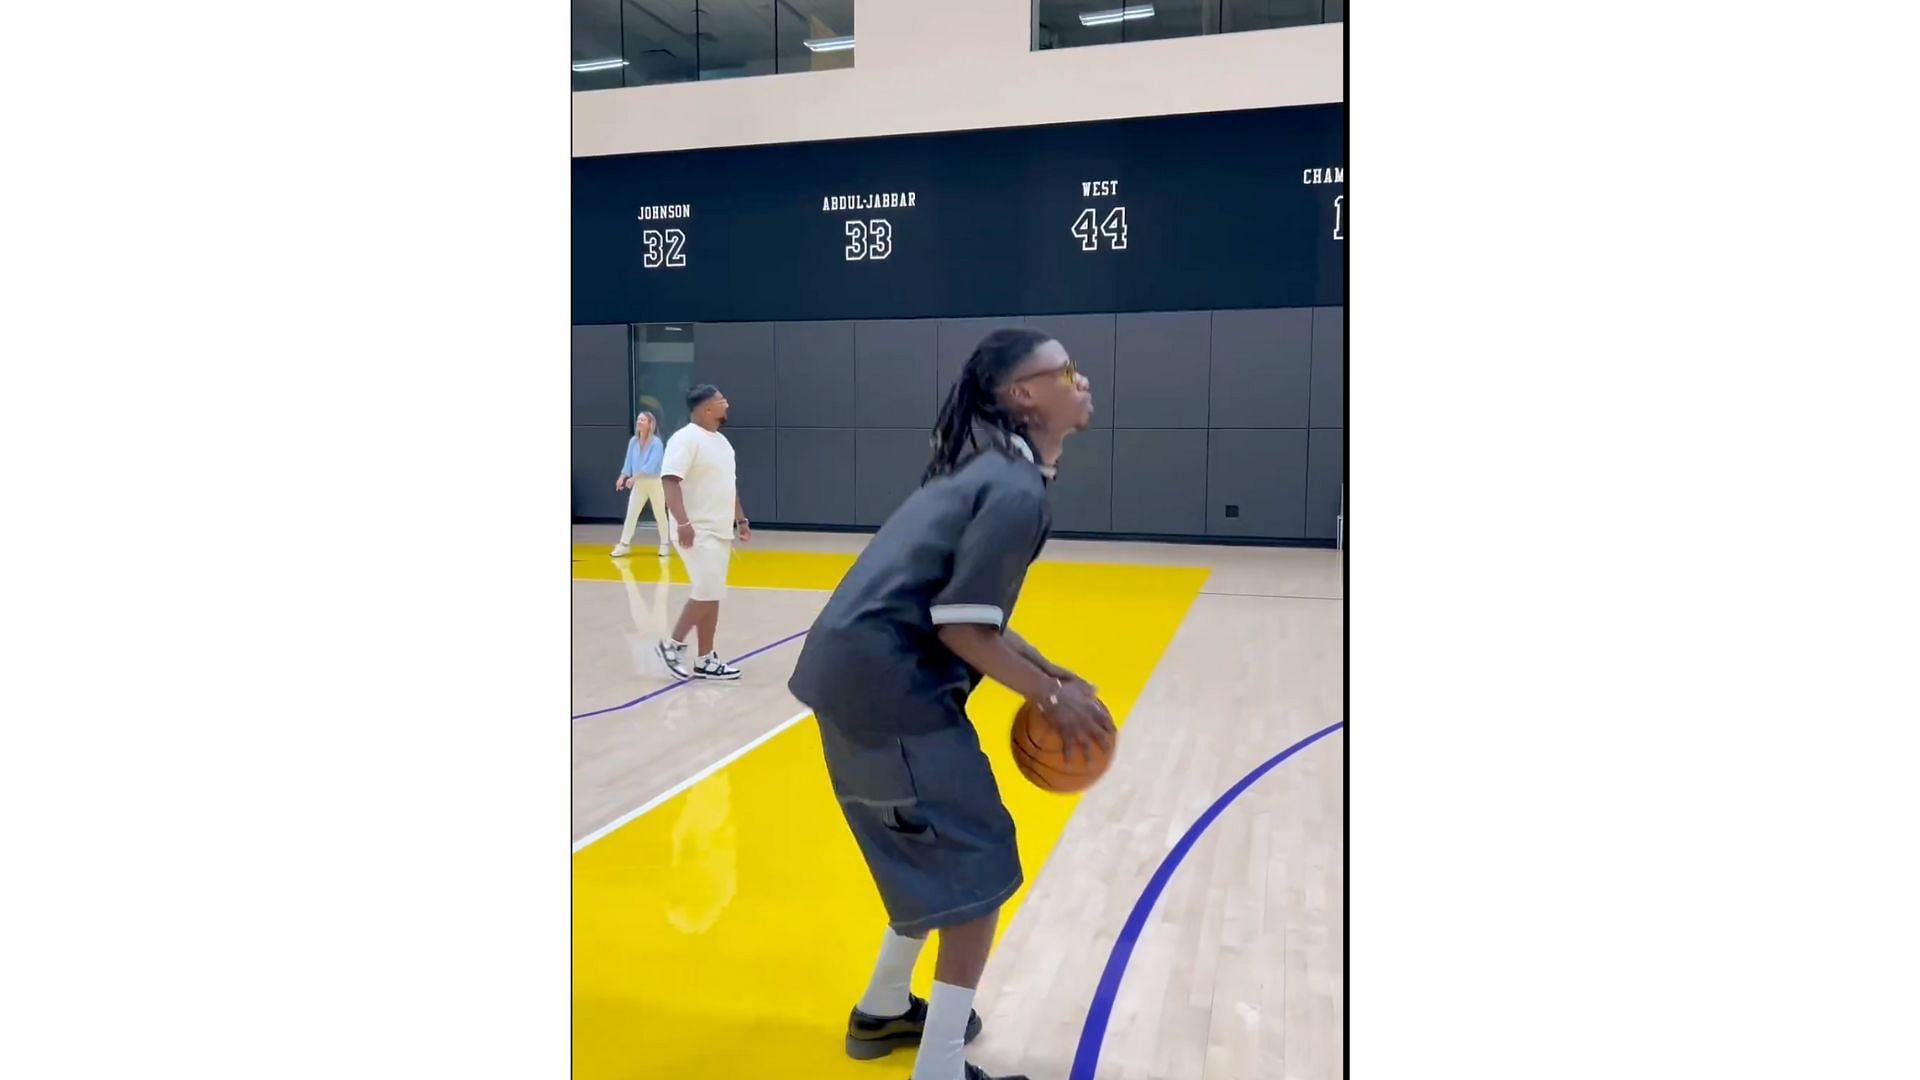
{"x": 649, "y": 696}
{"x": 1086, "y": 1058}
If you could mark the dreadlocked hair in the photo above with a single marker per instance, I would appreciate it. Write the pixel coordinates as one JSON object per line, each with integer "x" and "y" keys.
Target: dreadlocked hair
{"x": 972, "y": 419}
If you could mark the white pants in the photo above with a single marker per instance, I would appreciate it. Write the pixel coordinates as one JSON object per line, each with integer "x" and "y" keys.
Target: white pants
{"x": 646, "y": 489}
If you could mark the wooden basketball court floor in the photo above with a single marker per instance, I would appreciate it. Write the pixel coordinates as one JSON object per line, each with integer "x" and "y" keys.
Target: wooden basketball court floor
{"x": 1181, "y": 920}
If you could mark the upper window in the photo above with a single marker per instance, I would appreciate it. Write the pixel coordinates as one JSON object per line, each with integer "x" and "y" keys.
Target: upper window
{"x": 1065, "y": 24}
{"x": 641, "y": 42}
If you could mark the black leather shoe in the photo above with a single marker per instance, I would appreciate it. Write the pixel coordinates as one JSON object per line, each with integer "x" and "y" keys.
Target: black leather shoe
{"x": 975, "y": 1072}
{"x": 871, "y": 1037}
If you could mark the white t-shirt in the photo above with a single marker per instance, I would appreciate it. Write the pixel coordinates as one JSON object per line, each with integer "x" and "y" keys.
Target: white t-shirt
{"x": 703, "y": 460}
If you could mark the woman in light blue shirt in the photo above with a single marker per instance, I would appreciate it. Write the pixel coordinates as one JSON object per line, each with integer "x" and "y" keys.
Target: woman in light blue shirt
{"x": 640, "y": 478}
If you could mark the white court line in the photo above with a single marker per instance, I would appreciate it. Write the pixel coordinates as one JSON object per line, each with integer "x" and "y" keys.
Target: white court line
{"x": 683, "y": 785}
{"x": 684, "y": 587}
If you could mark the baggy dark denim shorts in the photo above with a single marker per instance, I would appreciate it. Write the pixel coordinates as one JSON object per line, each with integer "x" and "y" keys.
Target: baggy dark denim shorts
{"x": 927, "y": 815}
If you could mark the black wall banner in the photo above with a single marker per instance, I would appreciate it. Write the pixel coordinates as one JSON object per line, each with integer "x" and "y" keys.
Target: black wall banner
{"x": 1219, "y": 210}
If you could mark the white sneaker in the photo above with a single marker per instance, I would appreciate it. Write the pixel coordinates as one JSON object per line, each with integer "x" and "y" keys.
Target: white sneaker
{"x": 620, "y": 549}
{"x": 665, "y": 551}
{"x": 712, "y": 667}
{"x": 674, "y": 655}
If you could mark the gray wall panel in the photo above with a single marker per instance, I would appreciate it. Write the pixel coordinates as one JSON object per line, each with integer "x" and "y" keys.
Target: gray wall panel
{"x": 601, "y": 369}
{"x": 1261, "y": 361}
{"x": 1160, "y": 370}
{"x": 814, "y": 361}
{"x": 1193, "y": 411}
{"x": 1263, "y": 473}
{"x": 1159, "y": 481}
{"x": 1326, "y": 471}
{"x": 738, "y": 358}
{"x": 1083, "y": 492}
{"x": 1089, "y": 340}
{"x": 815, "y": 484}
{"x": 598, "y": 451}
{"x": 755, "y": 465}
{"x": 1329, "y": 367}
{"x": 895, "y": 373}
{"x": 887, "y": 467}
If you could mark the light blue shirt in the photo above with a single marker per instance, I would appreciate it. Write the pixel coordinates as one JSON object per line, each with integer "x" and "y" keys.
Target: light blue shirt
{"x": 643, "y": 462}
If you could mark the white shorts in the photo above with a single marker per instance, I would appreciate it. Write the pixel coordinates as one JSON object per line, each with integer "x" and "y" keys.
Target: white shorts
{"x": 706, "y": 563}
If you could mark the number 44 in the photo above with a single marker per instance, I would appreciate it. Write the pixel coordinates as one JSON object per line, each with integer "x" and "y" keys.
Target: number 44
{"x": 1114, "y": 228}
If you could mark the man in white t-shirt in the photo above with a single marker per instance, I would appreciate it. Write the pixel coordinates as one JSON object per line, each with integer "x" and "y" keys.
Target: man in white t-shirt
{"x": 702, "y": 502}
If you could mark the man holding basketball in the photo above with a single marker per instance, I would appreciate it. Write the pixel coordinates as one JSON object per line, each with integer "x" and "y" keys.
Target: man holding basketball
{"x": 887, "y": 668}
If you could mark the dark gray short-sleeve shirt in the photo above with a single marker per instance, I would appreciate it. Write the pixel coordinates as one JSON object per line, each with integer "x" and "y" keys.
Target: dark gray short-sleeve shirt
{"x": 956, "y": 551}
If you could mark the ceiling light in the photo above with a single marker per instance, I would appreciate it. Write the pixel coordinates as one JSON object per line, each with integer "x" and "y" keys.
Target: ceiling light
{"x": 600, "y": 65}
{"x": 829, "y": 44}
{"x": 1108, "y": 18}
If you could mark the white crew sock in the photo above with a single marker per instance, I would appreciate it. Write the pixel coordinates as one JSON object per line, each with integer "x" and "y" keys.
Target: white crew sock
{"x": 943, "y": 1047}
{"x": 887, "y": 992}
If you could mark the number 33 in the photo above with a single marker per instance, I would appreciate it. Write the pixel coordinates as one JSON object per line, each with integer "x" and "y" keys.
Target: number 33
{"x": 869, "y": 239}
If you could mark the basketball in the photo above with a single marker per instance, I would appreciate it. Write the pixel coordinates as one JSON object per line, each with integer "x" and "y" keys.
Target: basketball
{"x": 1041, "y": 755}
